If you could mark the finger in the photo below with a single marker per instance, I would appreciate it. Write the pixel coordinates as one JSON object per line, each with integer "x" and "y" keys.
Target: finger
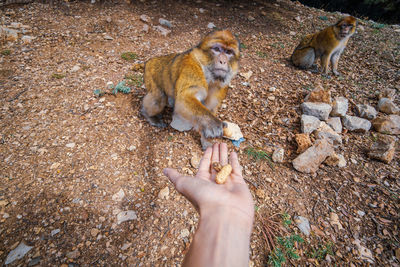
{"x": 236, "y": 168}
{"x": 223, "y": 154}
{"x": 215, "y": 153}
{"x": 172, "y": 174}
{"x": 205, "y": 161}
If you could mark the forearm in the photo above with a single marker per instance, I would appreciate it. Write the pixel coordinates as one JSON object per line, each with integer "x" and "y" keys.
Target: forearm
{"x": 222, "y": 239}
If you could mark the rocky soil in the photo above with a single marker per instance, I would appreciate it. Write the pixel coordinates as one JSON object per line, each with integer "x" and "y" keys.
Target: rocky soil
{"x": 81, "y": 171}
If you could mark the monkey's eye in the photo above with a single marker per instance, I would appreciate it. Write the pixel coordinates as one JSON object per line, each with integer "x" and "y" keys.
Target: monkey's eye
{"x": 228, "y": 52}
{"x": 216, "y": 49}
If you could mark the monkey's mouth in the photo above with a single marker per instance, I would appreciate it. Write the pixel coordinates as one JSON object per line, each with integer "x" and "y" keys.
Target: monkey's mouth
{"x": 220, "y": 73}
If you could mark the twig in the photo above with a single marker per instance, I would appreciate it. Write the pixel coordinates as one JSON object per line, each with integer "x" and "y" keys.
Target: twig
{"x": 17, "y": 95}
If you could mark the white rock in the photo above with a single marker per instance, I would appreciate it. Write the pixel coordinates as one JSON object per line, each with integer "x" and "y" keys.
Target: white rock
{"x": 124, "y": 216}
{"x": 145, "y": 18}
{"x": 387, "y": 106}
{"x": 326, "y": 132}
{"x": 272, "y": 89}
{"x": 202, "y": 10}
{"x": 278, "y": 155}
{"x": 319, "y": 110}
{"x": 366, "y": 111}
{"x": 335, "y": 123}
{"x": 342, "y": 161}
{"x": 108, "y": 37}
{"x": 119, "y": 196}
{"x": 339, "y": 107}
{"x": 54, "y": 232}
{"x": 211, "y": 25}
{"x": 165, "y": 22}
{"x": 310, "y": 160}
{"x": 17, "y": 253}
{"x": 164, "y": 193}
{"x": 70, "y": 145}
{"x": 75, "y": 68}
{"x": 353, "y": 123}
{"x": 26, "y": 39}
{"x": 365, "y": 253}
{"x": 303, "y": 224}
{"x": 162, "y": 30}
{"x": 388, "y": 125}
{"x": 309, "y": 123}
{"x": 185, "y": 233}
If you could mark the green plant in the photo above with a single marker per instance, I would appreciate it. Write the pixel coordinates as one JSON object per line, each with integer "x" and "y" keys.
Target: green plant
{"x": 323, "y": 18}
{"x": 286, "y": 221}
{"x": 121, "y": 87}
{"x": 57, "y": 75}
{"x": 6, "y": 52}
{"x": 259, "y": 154}
{"x": 242, "y": 46}
{"x": 378, "y": 26}
{"x": 321, "y": 251}
{"x": 134, "y": 80}
{"x": 285, "y": 249}
{"x": 129, "y": 56}
{"x": 262, "y": 54}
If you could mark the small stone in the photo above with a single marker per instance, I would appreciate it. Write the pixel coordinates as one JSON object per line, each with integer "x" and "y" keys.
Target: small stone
{"x": 108, "y": 37}
{"x": 119, "y": 196}
{"x": 332, "y": 160}
{"x": 26, "y": 39}
{"x": 366, "y": 111}
{"x": 326, "y": 132}
{"x": 387, "y": 125}
{"x": 319, "y": 95}
{"x": 383, "y": 149}
{"x": 94, "y": 232}
{"x": 145, "y": 18}
{"x": 387, "y": 106}
{"x": 292, "y": 33}
{"x": 335, "y": 123}
{"x": 132, "y": 148}
{"x": 246, "y": 75}
{"x": 195, "y": 161}
{"x": 126, "y": 246}
{"x": 339, "y": 107}
{"x": 202, "y": 10}
{"x": 211, "y": 25}
{"x": 124, "y": 216}
{"x": 55, "y": 165}
{"x": 360, "y": 213}
{"x": 309, "y": 123}
{"x": 164, "y": 193}
{"x": 278, "y": 155}
{"x": 54, "y": 232}
{"x": 114, "y": 156}
{"x": 388, "y": 93}
{"x": 303, "y": 224}
{"x": 250, "y": 18}
{"x": 356, "y": 124}
{"x": 162, "y": 30}
{"x": 334, "y": 220}
{"x": 342, "y": 161}
{"x": 298, "y": 19}
{"x": 70, "y": 145}
{"x": 303, "y": 142}
{"x": 17, "y": 253}
{"x": 75, "y": 68}
{"x": 185, "y": 233}
{"x": 165, "y": 22}
{"x": 73, "y": 254}
{"x": 364, "y": 253}
{"x": 310, "y": 160}
{"x": 272, "y": 89}
{"x": 319, "y": 110}
{"x": 145, "y": 28}
{"x": 271, "y": 97}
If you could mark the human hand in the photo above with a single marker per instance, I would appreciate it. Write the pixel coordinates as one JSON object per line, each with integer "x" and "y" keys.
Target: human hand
{"x": 209, "y": 197}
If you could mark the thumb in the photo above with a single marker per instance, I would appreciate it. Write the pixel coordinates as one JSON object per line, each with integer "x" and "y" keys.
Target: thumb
{"x": 172, "y": 174}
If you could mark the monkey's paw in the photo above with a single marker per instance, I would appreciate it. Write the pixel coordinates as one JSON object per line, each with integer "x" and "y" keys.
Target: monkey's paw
{"x": 212, "y": 129}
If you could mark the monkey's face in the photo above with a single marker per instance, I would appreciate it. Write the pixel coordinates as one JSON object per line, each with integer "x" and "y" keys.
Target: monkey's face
{"x": 347, "y": 26}
{"x": 221, "y": 60}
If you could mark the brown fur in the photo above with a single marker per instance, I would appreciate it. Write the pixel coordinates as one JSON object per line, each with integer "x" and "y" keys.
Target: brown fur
{"x": 327, "y": 45}
{"x": 192, "y": 84}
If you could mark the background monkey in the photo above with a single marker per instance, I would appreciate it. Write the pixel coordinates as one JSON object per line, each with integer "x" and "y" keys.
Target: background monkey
{"x": 194, "y": 83}
{"x": 327, "y": 45}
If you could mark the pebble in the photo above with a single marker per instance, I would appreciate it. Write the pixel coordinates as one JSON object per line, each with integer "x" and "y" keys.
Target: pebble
{"x": 278, "y": 155}
{"x": 94, "y": 232}
{"x": 335, "y": 123}
{"x": 164, "y": 193}
{"x": 73, "y": 254}
{"x": 303, "y": 224}
{"x": 366, "y": 111}
{"x": 126, "y": 246}
{"x": 185, "y": 233}
{"x": 165, "y": 22}
{"x": 70, "y": 145}
{"x": 360, "y": 213}
{"x": 75, "y": 68}
{"x": 54, "y": 232}
{"x": 145, "y": 18}
{"x": 108, "y": 37}
{"x": 124, "y": 216}
{"x": 364, "y": 253}
{"x": 17, "y": 253}
{"x": 211, "y": 25}
{"x": 334, "y": 220}
{"x": 272, "y": 89}
{"x": 162, "y": 30}
{"x": 387, "y": 106}
{"x": 27, "y": 39}
{"x": 114, "y": 156}
{"x": 202, "y": 10}
{"x": 119, "y": 195}
{"x": 132, "y": 148}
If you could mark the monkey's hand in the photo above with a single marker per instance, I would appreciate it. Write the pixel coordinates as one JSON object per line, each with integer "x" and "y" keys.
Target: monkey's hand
{"x": 336, "y": 73}
{"x": 211, "y": 127}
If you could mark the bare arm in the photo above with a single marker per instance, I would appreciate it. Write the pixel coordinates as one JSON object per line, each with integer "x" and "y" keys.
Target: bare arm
{"x": 226, "y": 212}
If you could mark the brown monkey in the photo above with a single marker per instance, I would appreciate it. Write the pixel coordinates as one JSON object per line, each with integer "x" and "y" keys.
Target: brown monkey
{"x": 194, "y": 83}
{"x": 327, "y": 45}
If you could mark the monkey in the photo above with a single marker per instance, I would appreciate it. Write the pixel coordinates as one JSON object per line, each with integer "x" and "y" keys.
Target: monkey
{"x": 193, "y": 83}
{"x": 327, "y": 45}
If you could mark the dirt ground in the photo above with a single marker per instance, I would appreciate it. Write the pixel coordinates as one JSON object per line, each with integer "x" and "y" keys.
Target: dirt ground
{"x": 66, "y": 153}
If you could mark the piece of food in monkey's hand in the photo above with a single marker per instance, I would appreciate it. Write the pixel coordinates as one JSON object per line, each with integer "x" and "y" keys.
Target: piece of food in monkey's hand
{"x": 232, "y": 131}
{"x": 217, "y": 166}
{"x": 223, "y": 174}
